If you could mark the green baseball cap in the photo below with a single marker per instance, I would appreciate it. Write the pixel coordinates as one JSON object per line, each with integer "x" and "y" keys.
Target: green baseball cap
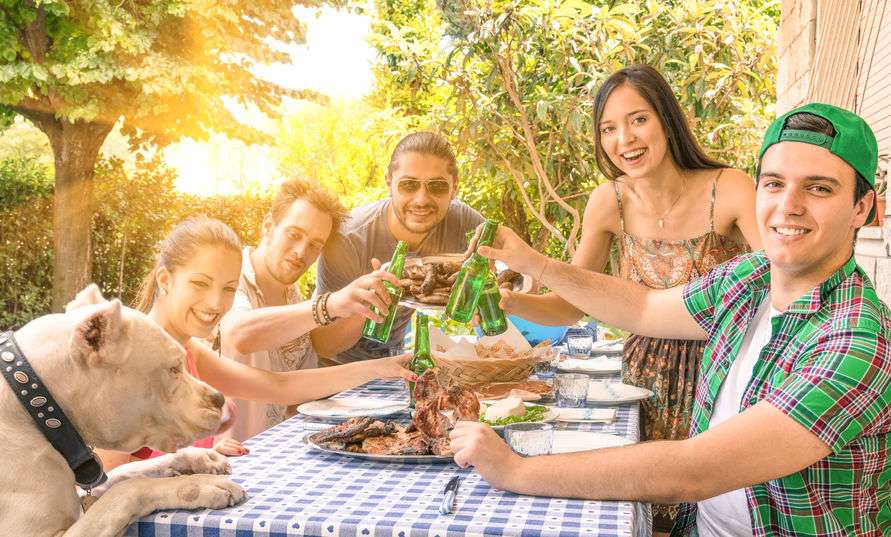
{"x": 854, "y": 142}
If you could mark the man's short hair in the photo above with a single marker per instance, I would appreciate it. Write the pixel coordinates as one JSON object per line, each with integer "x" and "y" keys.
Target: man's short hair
{"x": 425, "y": 143}
{"x": 303, "y": 189}
{"x": 809, "y": 122}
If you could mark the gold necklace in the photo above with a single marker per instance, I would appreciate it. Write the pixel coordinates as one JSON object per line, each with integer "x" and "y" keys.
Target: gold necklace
{"x": 661, "y": 219}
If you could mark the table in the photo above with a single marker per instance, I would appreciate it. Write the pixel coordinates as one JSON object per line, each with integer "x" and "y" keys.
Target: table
{"x": 294, "y": 490}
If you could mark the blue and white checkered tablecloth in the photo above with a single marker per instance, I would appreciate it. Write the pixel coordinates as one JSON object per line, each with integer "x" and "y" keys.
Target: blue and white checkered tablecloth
{"x": 294, "y": 490}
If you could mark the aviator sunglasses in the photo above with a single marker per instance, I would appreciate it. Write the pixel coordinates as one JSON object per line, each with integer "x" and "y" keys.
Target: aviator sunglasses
{"x": 435, "y": 187}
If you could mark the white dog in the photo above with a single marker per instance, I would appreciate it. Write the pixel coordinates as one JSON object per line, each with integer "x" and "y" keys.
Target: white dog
{"x": 121, "y": 380}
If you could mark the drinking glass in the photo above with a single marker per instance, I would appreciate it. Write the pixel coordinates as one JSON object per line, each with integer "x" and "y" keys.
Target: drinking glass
{"x": 529, "y": 439}
{"x": 579, "y": 342}
{"x": 545, "y": 370}
{"x": 572, "y": 390}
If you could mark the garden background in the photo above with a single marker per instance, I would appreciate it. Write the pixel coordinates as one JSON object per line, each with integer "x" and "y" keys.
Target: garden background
{"x": 92, "y": 92}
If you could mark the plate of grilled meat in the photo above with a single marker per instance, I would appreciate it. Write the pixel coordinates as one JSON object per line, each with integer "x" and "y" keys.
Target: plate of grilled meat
{"x": 427, "y": 281}
{"x": 423, "y": 441}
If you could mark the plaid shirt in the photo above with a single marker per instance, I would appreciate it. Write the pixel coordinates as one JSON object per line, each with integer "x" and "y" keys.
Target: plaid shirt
{"x": 828, "y": 367}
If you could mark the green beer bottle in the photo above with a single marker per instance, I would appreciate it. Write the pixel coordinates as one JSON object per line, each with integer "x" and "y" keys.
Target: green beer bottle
{"x": 492, "y": 321}
{"x": 421, "y": 359}
{"x": 381, "y": 331}
{"x": 471, "y": 279}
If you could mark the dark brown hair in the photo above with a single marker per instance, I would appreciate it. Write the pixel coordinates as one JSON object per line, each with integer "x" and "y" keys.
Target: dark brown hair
{"x": 303, "y": 189}
{"x": 806, "y": 121}
{"x": 180, "y": 245}
{"x": 426, "y": 143}
{"x": 685, "y": 150}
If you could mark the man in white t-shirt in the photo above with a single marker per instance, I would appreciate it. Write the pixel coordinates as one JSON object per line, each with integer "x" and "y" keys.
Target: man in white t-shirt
{"x": 792, "y": 419}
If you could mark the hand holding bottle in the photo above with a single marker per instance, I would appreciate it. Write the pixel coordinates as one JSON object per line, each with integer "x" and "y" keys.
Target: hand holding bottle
{"x": 511, "y": 250}
{"x": 361, "y": 294}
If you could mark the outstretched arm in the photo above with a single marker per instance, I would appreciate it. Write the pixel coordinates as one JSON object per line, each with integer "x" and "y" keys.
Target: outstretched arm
{"x": 292, "y": 387}
{"x": 615, "y": 301}
{"x": 758, "y": 445}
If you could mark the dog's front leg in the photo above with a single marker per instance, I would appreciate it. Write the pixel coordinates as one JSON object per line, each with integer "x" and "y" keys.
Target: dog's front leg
{"x": 121, "y": 505}
{"x": 188, "y": 460}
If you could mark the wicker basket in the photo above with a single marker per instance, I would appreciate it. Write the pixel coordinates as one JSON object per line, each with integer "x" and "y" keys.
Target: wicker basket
{"x": 470, "y": 371}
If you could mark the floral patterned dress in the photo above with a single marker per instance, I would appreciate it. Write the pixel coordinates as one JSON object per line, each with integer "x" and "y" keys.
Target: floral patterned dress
{"x": 668, "y": 367}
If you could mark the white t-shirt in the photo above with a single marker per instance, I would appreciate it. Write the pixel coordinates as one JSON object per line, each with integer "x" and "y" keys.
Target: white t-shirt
{"x": 727, "y": 515}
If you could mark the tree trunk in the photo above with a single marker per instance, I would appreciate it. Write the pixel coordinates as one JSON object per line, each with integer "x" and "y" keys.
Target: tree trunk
{"x": 75, "y": 148}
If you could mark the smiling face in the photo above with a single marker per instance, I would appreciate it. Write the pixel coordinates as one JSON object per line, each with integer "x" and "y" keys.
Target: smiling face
{"x": 295, "y": 242}
{"x": 631, "y": 134}
{"x": 421, "y": 188}
{"x": 805, "y": 211}
{"x": 199, "y": 292}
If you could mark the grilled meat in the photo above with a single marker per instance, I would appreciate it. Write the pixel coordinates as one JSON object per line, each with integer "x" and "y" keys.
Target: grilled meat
{"x": 353, "y": 430}
{"x": 429, "y": 420}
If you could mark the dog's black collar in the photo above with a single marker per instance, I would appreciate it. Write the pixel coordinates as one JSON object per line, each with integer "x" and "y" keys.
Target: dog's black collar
{"x": 48, "y": 415}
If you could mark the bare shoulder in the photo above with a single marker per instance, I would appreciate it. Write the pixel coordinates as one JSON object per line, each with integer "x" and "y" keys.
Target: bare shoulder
{"x": 734, "y": 181}
{"x": 602, "y": 211}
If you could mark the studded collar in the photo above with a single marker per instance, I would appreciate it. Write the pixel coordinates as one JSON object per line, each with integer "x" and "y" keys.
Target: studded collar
{"x": 48, "y": 415}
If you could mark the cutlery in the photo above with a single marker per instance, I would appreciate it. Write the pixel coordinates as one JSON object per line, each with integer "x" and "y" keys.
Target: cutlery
{"x": 451, "y": 493}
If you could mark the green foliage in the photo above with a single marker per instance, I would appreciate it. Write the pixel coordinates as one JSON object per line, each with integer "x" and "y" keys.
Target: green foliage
{"x": 511, "y": 82}
{"x": 26, "y": 201}
{"x": 163, "y": 67}
{"x": 135, "y": 210}
{"x": 345, "y": 146}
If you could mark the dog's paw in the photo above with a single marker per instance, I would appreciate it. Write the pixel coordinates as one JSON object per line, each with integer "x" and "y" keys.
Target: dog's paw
{"x": 192, "y": 460}
{"x": 207, "y": 491}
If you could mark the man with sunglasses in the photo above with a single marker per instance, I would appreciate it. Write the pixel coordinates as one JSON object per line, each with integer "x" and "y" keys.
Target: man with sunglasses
{"x": 422, "y": 210}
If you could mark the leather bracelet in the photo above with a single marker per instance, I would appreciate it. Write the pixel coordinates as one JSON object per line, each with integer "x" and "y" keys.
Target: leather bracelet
{"x": 315, "y": 310}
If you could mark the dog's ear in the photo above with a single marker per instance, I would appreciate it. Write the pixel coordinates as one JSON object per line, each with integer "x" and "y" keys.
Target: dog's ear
{"x": 89, "y": 295}
{"x": 95, "y": 335}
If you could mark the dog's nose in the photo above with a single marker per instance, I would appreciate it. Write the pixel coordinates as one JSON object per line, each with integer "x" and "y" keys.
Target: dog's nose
{"x": 216, "y": 399}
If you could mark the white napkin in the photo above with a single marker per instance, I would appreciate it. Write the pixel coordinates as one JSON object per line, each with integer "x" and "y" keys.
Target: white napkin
{"x": 615, "y": 391}
{"x": 571, "y": 441}
{"x": 351, "y": 406}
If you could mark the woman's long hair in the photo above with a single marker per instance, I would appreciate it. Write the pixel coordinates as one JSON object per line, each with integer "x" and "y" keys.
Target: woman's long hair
{"x": 180, "y": 245}
{"x": 650, "y": 84}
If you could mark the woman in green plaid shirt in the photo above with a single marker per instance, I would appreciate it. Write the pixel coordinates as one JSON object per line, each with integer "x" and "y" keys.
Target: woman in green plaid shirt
{"x": 790, "y": 432}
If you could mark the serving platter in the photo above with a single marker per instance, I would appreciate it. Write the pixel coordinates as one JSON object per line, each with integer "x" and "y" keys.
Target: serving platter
{"x": 399, "y": 459}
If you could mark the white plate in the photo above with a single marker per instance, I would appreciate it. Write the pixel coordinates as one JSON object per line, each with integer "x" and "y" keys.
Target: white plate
{"x": 585, "y": 415}
{"x": 598, "y": 364}
{"x": 571, "y": 441}
{"x": 603, "y": 391}
{"x": 351, "y": 407}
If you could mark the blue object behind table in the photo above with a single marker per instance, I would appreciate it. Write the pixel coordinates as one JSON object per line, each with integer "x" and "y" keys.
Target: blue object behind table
{"x": 536, "y": 333}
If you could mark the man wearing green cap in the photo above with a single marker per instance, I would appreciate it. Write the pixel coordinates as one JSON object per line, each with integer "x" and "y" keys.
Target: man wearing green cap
{"x": 791, "y": 429}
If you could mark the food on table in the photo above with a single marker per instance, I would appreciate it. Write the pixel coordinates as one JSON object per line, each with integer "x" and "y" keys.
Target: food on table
{"x": 431, "y": 280}
{"x": 530, "y": 390}
{"x": 511, "y": 407}
{"x": 532, "y": 413}
{"x": 352, "y": 431}
{"x": 430, "y": 283}
{"x": 380, "y": 332}
{"x": 426, "y": 435}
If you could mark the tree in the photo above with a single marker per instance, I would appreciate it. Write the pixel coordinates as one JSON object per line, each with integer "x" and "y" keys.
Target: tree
{"x": 512, "y": 82}
{"x": 161, "y": 69}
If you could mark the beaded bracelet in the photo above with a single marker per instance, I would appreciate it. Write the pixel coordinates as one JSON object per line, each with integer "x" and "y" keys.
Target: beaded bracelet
{"x": 324, "y": 307}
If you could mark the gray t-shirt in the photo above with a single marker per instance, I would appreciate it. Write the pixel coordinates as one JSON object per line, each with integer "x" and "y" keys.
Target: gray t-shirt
{"x": 347, "y": 255}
